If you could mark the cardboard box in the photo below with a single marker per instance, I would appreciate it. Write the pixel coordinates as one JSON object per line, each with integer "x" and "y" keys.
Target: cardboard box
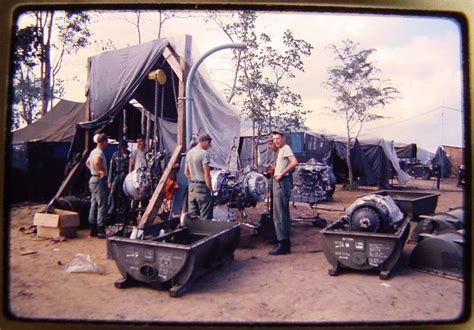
{"x": 59, "y": 223}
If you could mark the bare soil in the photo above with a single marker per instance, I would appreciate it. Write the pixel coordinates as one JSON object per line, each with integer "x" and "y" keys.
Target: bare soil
{"x": 255, "y": 288}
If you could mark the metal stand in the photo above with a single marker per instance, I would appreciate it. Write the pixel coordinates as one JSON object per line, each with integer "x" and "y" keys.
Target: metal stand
{"x": 316, "y": 220}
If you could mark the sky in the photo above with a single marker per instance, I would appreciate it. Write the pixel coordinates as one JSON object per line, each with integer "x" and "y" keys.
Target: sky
{"x": 421, "y": 56}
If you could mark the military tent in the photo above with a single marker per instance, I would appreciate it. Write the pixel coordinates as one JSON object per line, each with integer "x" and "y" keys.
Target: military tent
{"x": 441, "y": 163}
{"x": 38, "y": 153}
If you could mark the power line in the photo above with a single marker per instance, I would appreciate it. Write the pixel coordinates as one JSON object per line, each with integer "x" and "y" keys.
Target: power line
{"x": 407, "y": 119}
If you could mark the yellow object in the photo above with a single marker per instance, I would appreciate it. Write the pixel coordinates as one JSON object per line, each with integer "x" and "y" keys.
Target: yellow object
{"x": 158, "y": 75}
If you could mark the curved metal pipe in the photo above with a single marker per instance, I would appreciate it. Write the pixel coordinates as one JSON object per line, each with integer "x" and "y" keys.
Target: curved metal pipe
{"x": 189, "y": 93}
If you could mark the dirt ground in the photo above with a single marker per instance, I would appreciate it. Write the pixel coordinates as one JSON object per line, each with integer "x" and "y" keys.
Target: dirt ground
{"x": 255, "y": 288}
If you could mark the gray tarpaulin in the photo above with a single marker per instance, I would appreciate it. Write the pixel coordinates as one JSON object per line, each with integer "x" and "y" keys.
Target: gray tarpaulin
{"x": 116, "y": 77}
{"x": 212, "y": 113}
{"x": 389, "y": 152}
{"x": 168, "y": 132}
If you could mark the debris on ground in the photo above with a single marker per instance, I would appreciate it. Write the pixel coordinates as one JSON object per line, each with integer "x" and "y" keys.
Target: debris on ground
{"x": 27, "y": 252}
{"x": 82, "y": 263}
{"x": 28, "y": 229}
{"x": 58, "y": 239}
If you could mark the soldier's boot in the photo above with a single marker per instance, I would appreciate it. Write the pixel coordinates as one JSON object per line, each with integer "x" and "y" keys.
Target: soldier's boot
{"x": 101, "y": 232}
{"x": 283, "y": 247}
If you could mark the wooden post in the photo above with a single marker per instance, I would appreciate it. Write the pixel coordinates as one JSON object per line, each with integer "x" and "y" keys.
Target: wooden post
{"x": 157, "y": 198}
{"x": 88, "y": 106}
{"x": 181, "y": 129}
{"x": 68, "y": 181}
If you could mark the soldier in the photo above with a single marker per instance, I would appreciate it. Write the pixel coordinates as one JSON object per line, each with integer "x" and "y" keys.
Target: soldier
{"x": 198, "y": 171}
{"x": 281, "y": 188}
{"x": 138, "y": 160}
{"x": 97, "y": 164}
{"x": 118, "y": 202}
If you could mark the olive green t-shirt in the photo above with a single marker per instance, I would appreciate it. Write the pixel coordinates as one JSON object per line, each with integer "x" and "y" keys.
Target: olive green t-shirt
{"x": 196, "y": 158}
{"x": 283, "y": 158}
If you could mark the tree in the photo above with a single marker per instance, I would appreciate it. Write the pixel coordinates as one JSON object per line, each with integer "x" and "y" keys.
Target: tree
{"x": 138, "y": 17}
{"x": 261, "y": 73}
{"x": 40, "y": 49}
{"x": 27, "y": 88}
{"x": 356, "y": 90}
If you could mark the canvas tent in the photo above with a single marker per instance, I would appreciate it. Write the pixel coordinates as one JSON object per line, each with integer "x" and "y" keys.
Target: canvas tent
{"x": 372, "y": 160}
{"x": 406, "y": 150}
{"x": 119, "y": 77}
{"x": 362, "y": 171}
{"x": 305, "y": 145}
{"x": 57, "y": 125}
{"x": 38, "y": 153}
{"x": 441, "y": 163}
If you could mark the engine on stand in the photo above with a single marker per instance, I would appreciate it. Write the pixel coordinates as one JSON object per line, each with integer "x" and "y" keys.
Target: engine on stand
{"x": 140, "y": 183}
{"x": 239, "y": 190}
{"x": 313, "y": 182}
{"x": 374, "y": 213}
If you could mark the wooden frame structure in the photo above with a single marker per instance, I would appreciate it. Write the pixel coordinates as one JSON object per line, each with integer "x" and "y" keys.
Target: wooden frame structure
{"x": 181, "y": 69}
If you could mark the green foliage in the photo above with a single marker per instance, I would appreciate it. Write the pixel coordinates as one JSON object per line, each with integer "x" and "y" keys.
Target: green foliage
{"x": 35, "y": 77}
{"x": 356, "y": 90}
{"x": 262, "y": 71}
{"x": 355, "y": 87}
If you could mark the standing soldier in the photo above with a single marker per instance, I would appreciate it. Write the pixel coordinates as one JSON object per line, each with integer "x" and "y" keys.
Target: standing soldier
{"x": 97, "y": 164}
{"x": 198, "y": 171}
{"x": 285, "y": 163}
{"x": 118, "y": 202}
{"x": 138, "y": 156}
{"x": 138, "y": 160}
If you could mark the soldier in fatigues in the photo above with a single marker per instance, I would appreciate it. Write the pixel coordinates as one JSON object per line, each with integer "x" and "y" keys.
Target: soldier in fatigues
{"x": 197, "y": 170}
{"x": 118, "y": 202}
{"x": 98, "y": 186}
{"x": 285, "y": 163}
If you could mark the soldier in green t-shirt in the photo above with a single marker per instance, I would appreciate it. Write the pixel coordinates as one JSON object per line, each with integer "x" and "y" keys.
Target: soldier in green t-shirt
{"x": 198, "y": 171}
{"x": 285, "y": 163}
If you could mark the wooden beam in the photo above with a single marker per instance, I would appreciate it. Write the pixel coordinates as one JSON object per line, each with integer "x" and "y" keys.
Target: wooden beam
{"x": 173, "y": 61}
{"x": 68, "y": 181}
{"x": 181, "y": 129}
{"x": 153, "y": 207}
{"x": 88, "y": 106}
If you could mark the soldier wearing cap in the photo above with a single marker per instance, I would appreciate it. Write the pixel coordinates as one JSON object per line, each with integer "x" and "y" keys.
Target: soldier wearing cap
{"x": 97, "y": 164}
{"x": 281, "y": 188}
{"x": 197, "y": 170}
{"x": 118, "y": 170}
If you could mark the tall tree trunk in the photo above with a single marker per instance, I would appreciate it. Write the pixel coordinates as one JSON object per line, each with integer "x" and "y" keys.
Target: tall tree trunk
{"x": 159, "y": 24}
{"x": 46, "y": 88}
{"x": 348, "y": 160}
{"x": 138, "y": 28}
{"x": 254, "y": 152}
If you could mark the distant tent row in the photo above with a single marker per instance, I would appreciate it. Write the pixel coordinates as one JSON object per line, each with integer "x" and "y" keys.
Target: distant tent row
{"x": 374, "y": 162}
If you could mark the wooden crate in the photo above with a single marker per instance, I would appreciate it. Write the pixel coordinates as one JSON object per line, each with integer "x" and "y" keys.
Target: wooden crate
{"x": 59, "y": 223}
